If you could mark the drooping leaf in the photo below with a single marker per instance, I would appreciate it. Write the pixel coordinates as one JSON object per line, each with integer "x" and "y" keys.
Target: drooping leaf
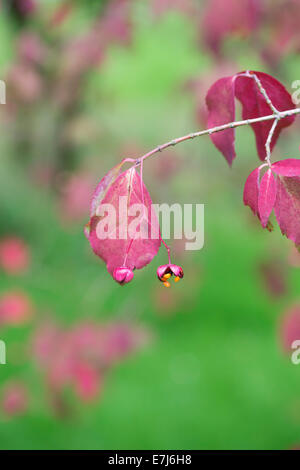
{"x": 231, "y": 17}
{"x": 133, "y": 235}
{"x": 287, "y": 207}
{"x": 254, "y": 105}
{"x": 288, "y": 167}
{"x": 266, "y": 197}
{"x": 251, "y": 191}
{"x": 221, "y": 110}
{"x": 100, "y": 192}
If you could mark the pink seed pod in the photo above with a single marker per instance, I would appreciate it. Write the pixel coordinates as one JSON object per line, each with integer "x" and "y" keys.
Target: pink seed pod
{"x": 165, "y": 271}
{"x": 123, "y": 275}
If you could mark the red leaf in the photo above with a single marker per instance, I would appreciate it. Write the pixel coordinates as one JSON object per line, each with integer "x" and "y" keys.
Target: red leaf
{"x": 267, "y": 196}
{"x": 251, "y": 191}
{"x": 133, "y": 247}
{"x": 287, "y": 207}
{"x": 255, "y": 105}
{"x": 221, "y": 110}
{"x": 288, "y": 167}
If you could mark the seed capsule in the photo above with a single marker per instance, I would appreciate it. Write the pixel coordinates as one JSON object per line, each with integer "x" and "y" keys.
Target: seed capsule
{"x": 167, "y": 276}
{"x": 123, "y": 275}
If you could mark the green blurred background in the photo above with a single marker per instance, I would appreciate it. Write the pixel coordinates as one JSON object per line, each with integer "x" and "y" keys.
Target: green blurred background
{"x": 213, "y": 373}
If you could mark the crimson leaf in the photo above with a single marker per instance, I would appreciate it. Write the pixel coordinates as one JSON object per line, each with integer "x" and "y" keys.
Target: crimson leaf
{"x": 251, "y": 191}
{"x": 254, "y": 106}
{"x": 266, "y": 197}
{"x": 221, "y": 110}
{"x": 129, "y": 236}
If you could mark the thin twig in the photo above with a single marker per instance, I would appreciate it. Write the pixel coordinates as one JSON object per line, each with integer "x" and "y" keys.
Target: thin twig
{"x": 230, "y": 125}
{"x": 269, "y": 140}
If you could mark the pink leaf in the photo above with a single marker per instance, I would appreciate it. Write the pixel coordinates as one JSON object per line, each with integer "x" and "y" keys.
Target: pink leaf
{"x": 121, "y": 233}
{"x": 255, "y": 105}
{"x": 14, "y": 255}
{"x": 103, "y": 187}
{"x": 15, "y": 308}
{"x": 221, "y": 110}
{"x": 287, "y": 207}
{"x": 267, "y": 196}
{"x": 289, "y": 167}
{"x": 290, "y": 327}
{"x": 14, "y": 398}
{"x": 251, "y": 191}
{"x": 100, "y": 192}
{"x": 86, "y": 379}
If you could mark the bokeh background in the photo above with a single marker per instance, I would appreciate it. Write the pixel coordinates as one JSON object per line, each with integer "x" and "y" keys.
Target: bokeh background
{"x": 92, "y": 365}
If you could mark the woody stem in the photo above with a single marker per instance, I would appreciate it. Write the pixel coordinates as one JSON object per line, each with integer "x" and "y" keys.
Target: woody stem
{"x": 269, "y": 140}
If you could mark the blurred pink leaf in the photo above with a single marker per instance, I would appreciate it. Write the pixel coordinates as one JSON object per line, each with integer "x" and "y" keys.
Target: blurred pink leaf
{"x": 294, "y": 257}
{"x": 281, "y": 193}
{"x": 187, "y": 7}
{"x": 288, "y": 167}
{"x": 103, "y": 187}
{"x": 76, "y": 196}
{"x": 251, "y": 191}
{"x": 137, "y": 251}
{"x": 287, "y": 207}
{"x": 223, "y": 18}
{"x": 290, "y": 327}
{"x": 14, "y": 398}
{"x": 282, "y": 20}
{"x": 31, "y": 48}
{"x": 24, "y": 7}
{"x": 115, "y": 24}
{"x": 80, "y": 356}
{"x": 274, "y": 276}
